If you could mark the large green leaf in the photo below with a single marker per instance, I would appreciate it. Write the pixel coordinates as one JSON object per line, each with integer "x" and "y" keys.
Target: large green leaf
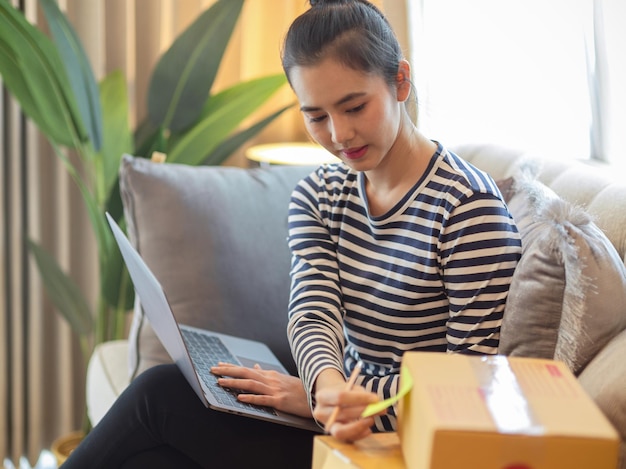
{"x": 114, "y": 204}
{"x": 14, "y": 81}
{"x": 63, "y": 292}
{"x": 94, "y": 209}
{"x": 78, "y": 70}
{"x": 116, "y": 285}
{"x": 184, "y": 75}
{"x": 144, "y": 136}
{"x": 150, "y": 140}
{"x": 117, "y": 136}
{"x": 222, "y": 114}
{"x": 32, "y": 71}
{"x": 255, "y": 92}
{"x": 232, "y": 143}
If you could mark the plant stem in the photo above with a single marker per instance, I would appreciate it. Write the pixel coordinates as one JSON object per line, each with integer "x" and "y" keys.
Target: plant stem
{"x": 101, "y": 320}
{"x": 120, "y": 313}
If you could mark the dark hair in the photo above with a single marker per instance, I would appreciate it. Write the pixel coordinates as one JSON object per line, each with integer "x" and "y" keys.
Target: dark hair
{"x": 354, "y": 32}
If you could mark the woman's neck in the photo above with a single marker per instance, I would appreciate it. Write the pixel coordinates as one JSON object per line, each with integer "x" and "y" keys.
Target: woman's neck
{"x": 403, "y": 166}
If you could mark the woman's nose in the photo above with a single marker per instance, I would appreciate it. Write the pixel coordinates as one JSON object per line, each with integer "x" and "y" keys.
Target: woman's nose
{"x": 341, "y": 130}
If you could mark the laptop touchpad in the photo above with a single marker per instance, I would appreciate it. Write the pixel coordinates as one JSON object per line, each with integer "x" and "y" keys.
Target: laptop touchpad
{"x": 247, "y": 362}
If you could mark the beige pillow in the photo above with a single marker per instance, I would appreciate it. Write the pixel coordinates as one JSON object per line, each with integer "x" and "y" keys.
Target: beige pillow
{"x": 568, "y": 293}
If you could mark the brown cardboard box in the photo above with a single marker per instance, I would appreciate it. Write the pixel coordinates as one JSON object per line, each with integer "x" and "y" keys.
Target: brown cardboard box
{"x": 378, "y": 451}
{"x": 499, "y": 413}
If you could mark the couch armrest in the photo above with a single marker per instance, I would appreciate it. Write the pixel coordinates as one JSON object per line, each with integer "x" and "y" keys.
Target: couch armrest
{"x": 107, "y": 377}
{"x": 604, "y": 379}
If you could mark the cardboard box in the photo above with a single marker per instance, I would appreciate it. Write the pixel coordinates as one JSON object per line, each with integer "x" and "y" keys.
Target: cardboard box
{"x": 378, "y": 451}
{"x": 499, "y": 413}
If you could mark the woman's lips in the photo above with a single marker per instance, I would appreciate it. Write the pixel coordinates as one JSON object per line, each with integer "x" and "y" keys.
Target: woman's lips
{"x": 354, "y": 153}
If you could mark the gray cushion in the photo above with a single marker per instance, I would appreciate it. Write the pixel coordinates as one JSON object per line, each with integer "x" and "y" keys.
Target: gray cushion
{"x": 215, "y": 237}
{"x": 568, "y": 293}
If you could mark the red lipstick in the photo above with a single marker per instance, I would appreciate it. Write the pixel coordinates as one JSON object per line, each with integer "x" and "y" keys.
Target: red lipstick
{"x": 354, "y": 153}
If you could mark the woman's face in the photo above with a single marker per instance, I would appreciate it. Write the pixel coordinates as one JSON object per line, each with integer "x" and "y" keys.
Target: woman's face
{"x": 354, "y": 115}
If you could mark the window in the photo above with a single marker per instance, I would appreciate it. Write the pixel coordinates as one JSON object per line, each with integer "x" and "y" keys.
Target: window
{"x": 516, "y": 72}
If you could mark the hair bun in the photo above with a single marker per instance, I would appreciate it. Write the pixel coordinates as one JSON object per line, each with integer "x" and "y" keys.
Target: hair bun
{"x": 316, "y": 3}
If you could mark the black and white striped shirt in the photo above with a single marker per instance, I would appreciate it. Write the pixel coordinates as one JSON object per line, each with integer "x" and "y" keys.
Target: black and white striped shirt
{"x": 432, "y": 274}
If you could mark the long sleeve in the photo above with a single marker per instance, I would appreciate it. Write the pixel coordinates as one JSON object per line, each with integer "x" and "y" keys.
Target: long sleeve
{"x": 431, "y": 275}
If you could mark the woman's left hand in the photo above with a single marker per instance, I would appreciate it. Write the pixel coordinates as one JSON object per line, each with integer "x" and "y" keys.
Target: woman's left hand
{"x": 265, "y": 388}
{"x": 346, "y": 406}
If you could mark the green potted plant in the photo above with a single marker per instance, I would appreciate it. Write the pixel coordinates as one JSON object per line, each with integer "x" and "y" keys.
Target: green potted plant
{"x": 54, "y": 84}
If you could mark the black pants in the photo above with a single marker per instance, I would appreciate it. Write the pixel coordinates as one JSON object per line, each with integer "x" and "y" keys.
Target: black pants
{"x": 159, "y": 422}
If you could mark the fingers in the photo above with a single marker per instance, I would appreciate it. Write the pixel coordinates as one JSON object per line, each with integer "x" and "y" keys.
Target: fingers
{"x": 286, "y": 394}
{"x": 257, "y": 399}
{"x": 350, "y": 404}
{"x": 341, "y": 411}
{"x": 236, "y": 371}
{"x": 348, "y": 425}
{"x": 245, "y": 385}
{"x": 267, "y": 388}
{"x": 352, "y": 431}
{"x": 249, "y": 380}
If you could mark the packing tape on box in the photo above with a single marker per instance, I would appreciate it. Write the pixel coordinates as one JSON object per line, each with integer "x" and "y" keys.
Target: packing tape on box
{"x": 504, "y": 397}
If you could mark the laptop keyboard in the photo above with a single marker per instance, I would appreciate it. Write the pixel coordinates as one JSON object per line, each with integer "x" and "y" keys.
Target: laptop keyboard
{"x": 207, "y": 351}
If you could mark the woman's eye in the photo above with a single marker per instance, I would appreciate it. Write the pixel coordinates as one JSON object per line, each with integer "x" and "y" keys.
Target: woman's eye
{"x": 357, "y": 109}
{"x": 315, "y": 119}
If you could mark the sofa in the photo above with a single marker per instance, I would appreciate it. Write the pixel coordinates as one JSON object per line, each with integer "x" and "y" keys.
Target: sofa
{"x": 215, "y": 238}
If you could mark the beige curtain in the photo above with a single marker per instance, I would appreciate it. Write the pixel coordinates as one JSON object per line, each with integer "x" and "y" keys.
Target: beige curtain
{"x": 42, "y": 384}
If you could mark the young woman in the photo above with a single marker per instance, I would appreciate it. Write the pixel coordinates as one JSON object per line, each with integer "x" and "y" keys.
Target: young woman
{"x": 401, "y": 246}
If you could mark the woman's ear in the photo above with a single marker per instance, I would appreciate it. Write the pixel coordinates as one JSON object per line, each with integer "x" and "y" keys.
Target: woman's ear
{"x": 403, "y": 81}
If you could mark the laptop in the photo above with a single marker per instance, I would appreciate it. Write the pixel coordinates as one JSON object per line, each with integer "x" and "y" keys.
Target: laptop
{"x": 195, "y": 350}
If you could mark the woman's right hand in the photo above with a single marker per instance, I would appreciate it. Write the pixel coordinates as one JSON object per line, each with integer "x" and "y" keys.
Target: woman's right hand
{"x": 265, "y": 388}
